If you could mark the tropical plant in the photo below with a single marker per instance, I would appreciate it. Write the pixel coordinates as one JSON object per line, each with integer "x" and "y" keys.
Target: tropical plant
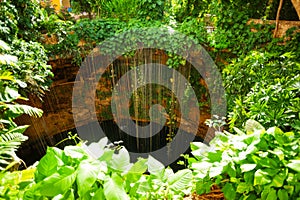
{"x": 255, "y": 164}
{"x": 10, "y": 133}
{"x": 264, "y": 87}
{"x": 75, "y": 173}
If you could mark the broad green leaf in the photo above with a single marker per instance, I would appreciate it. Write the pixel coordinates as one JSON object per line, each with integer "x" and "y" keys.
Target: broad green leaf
{"x": 215, "y": 171}
{"x": 244, "y": 188}
{"x": 198, "y": 145}
{"x": 289, "y": 188}
{"x": 114, "y": 189}
{"x": 229, "y": 191}
{"x": 75, "y": 152}
{"x": 261, "y": 178}
{"x": 87, "y": 175}
{"x": 238, "y": 131}
{"x": 143, "y": 186}
{"x": 180, "y": 180}
{"x": 48, "y": 164}
{"x": 57, "y": 183}
{"x": 294, "y": 165}
{"x": 69, "y": 195}
{"x": 282, "y": 194}
{"x": 96, "y": 149}
{"x": 107, "y": 155}
{"x": 279, "y": 178}
{"x": 139, "y": 167}
{"x": 272, "y": 195}
{"x": 278, "y": 153}
{"x": 247, "y": 167}
{"x": 252, "y": 126}
{"x": 214, "y": 156}
{"x": 99, "y": 194}
{"x": 121, "y": 161}
{"x": 155, "y": 167}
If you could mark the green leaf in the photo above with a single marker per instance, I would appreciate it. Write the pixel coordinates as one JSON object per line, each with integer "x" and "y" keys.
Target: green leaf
{"x": 180, "y": 180}
{"x": 121, "y": 161}
{"x": 283, "y": 194}
{"x": 155, "y": 167}
{"x": 294, "y": 165}
{"x": 261, "y": 178}
{"x": 279, "y": 178}
{"x": 99, "y": 194}
{"x": 247, "y": 167}
{"x": 107, "y": 155}
{"x": 272, "y": 195}
{"x": 17, "y": 109}
{"x": 75, "y": 152}
{"x": 18, "y": 129}
{"x": 48, "y": 164}
{"x": 114, "y": 189}
{"x": 87, "y": 175}
{"x": 139, "y": 167}
{"x": 278, "y": 153}
{"x": 57, "y": 183}
{"x": 214, "y": 156}
{"x": 252, "y": 126}
{"x": 244, "y": 187}
{"x": 9, "y": 94}
{"x": 215, "y": 171}
{"x": 6, "y": 75}
{"x": 229, "y": 191}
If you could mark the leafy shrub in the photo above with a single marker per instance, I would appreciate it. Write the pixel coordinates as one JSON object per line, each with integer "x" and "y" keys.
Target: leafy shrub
{"x": 72, "y": 173}
{"x": 264, "y": 87}
{"x": 10, "y": 133}
{"x": 256, "y": 164}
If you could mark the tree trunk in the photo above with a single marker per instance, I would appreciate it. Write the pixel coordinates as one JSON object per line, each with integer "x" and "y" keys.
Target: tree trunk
{"x": 277, "y": 18}
{"x": 296, "y": 4}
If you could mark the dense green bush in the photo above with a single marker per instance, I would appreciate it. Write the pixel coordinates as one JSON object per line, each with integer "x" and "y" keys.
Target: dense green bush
{"x": 10, "y": 133}
{"x": 264, "y": 87}
{"x": 72, "y": 173}
{"x": 255, "y": 164}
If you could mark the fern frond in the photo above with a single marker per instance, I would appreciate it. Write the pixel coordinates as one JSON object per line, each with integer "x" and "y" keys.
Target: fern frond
{"x": 20, "y": 109}
{"x": 14, "y": 135}
{"x": 9, "y": 143}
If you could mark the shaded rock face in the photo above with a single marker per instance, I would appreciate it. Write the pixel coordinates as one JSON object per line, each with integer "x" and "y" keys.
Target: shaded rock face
{"x": 57, "y": 103}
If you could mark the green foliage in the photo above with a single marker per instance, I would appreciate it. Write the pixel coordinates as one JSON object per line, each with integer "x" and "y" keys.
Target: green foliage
{"x": 264, "y": 87}
{"x": 183, "y": 9}
{"x": 30, "y": 16}
{"x": 121, "y": 9}
{"x": 12, "y": 184}
{"x": 152, "y": 9}
{"x": 10, "y": 133}
{"x": 255, "y": 164}
{"x": 8, "y": 21}
{"x": 72, "y": 173}
{"x": 21, "y": 22}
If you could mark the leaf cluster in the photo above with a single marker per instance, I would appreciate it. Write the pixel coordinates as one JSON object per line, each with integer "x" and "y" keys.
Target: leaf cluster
{"x": 73, "y": 173}
{"x": 255, "y": 164}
